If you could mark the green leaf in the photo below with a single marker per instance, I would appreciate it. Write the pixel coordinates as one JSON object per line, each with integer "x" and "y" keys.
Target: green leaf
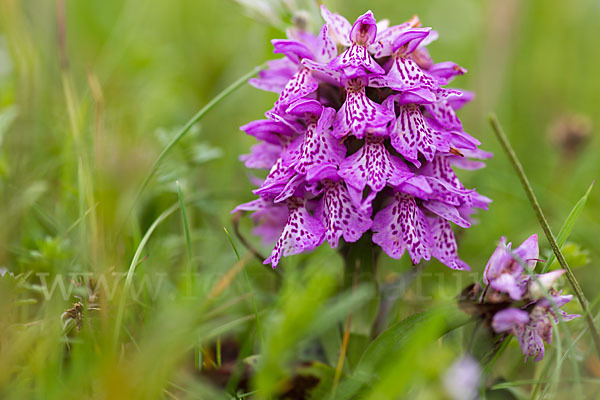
{"x": 397, "y": 347}
{"x": 567, "y": 227}
{"x": 575, "y": 255}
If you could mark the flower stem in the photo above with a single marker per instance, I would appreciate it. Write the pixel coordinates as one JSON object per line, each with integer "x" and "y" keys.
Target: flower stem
{"x": 546, "y": 228}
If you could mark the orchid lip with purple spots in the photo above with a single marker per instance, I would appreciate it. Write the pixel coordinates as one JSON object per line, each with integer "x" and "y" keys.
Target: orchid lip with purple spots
{"x": 362, "y": 139}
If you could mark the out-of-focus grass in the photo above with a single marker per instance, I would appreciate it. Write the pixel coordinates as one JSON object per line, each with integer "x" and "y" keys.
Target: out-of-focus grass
{"x": 78, "y": 138}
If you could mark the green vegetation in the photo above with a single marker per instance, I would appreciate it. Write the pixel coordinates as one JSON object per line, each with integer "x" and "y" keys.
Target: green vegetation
{"x": 123, "y": 278}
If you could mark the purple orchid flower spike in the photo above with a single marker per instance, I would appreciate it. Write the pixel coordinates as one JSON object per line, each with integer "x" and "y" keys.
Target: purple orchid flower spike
{"x": 362, "y": 138}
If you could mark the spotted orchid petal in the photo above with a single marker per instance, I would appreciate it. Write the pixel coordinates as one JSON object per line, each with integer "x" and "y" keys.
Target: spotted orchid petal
{"x": 443, "y": 113}
{"x": 340, "y": 215}
{"x": 403, "y": 226}
{"x": 360, "y": 115}
{"x": 300, "y": 85}
{"x": 531, "y": 336}
{"x": 339, "y": 26}
{"x": 443, "y": 244}
{"x": 302, "y": 232}
{"x": 268, "y": 130}
{"x": 413, "y": 136}
{"x": 374, "y": 166}
{"x": 320, "y": 154}
{"x": 355, "y": 61}
{"x": 410, "y": 39}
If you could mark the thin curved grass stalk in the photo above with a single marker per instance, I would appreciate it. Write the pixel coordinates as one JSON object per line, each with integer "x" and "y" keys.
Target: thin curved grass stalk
{"x": 546, "y": 228}
{"x": 134, "y": 264}
{"x": 188, "y": 240}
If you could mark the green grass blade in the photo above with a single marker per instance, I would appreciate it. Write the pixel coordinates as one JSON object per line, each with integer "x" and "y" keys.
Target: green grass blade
{"x": 186, "y": 226}
{"x": 237, "y": 254}
{"x": 188, "y": 239}
{"x": 567, "y": 227}
{"x": 133, "y": 265}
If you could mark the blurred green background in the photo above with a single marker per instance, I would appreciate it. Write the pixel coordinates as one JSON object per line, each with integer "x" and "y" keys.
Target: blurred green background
{"x": 92, "y": 91}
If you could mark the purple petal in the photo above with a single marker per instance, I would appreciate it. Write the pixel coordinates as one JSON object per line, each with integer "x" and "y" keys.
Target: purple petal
{"x": 513, "y": 284}
{"x": 300, "y": 85}
{"x": 446, "y": 71}
{"x": 319, "y": 150}
{"x": 373, "y": 165}
{"x": 443, "y": 245}
{"x": 340, "y": 215}
{"x": 417, "y": 186}
{"x": 262, "y": 156}
{"x": 456, "y": 101}
{"x": 304, "y": 106}
{"x": 355, "y": 61}
{"x": 497, "y": 262}
{"x": 339, "y": 27}
{"x": 411, "y": 38}
{"x": 447, "y": 212}
{"x": 359, "y": 114}
{"x": 323, "y": 72}
{"x": 413, "y": 136}
{"x": 326, "y": 50}
{"x": 528, "y": 251}
{"x": 531, "y": 335}
{"x": 292, "y": 187}
{"x": 384, "y": 43}
{"x": 279, "y": 176}
{"x": 402, "y": 226}
{"x": 292, "y": 49}
{"x": 269, "y": 218}
{"x": 276, "y": 76}
{"x": 508, "y": 319}
{"x": 268, "y": 130}
{"x": 421, "y": 56}
{"x": 364, "y": 30}
{"x": 302, "y": 232}
{"x": 418, "y": 95}
{"x": 443, "y": 113}
{"x": 405, "y": 74}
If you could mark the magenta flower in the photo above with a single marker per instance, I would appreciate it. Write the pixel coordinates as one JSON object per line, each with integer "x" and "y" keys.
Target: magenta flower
{"x": 511, "y": 273}
{"x": 504, "y": 271}
{"x": 533, "y": 326}
{"x": 362, "y": 140}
